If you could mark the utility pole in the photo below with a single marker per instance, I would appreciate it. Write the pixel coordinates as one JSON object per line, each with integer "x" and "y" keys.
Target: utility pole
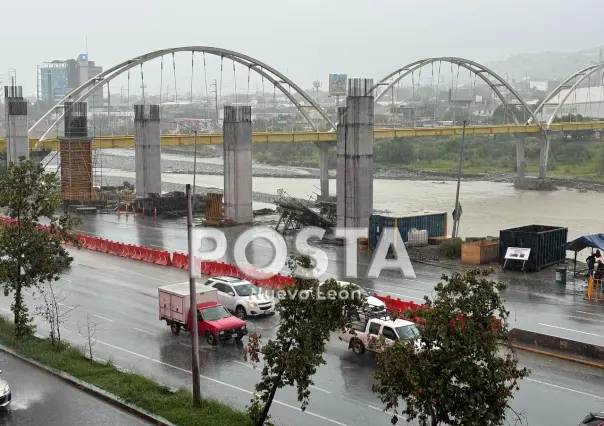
{"x": 457, "y": 211}
{"x": 193, "y": 296}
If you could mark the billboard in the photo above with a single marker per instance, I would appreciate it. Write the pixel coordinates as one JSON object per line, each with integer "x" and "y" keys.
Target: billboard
{"x": 337, "y": 84}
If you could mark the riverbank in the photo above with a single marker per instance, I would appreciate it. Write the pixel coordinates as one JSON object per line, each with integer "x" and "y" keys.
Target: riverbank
{"x": 213, "y": 166}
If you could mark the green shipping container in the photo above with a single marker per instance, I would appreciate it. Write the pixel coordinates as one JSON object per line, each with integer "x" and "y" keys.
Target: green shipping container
{"x": 435, "y": 224}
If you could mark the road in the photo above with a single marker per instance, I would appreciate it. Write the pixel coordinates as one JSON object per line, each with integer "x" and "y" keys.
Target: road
{"x": 538, "y": 304}
{"x": 40, "y": 399}
{"x": 120, "y": 297}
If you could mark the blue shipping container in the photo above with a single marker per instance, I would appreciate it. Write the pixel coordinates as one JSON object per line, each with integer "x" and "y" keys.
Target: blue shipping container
{"x": 435, "y": 224}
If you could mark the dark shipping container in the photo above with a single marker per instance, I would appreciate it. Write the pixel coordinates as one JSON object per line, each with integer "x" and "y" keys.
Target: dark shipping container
{"x": 547, "y": 244}
{"x": 435, "y": 224}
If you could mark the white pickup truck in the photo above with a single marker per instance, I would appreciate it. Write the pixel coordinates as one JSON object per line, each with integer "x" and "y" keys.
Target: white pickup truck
{"x": 361, "y": 333}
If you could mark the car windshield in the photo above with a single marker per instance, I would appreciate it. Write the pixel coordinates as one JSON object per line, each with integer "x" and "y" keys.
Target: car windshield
{"x": 246, "y": 290}
{"x": 408, "y": 332}
{"x": 214, "y": 313}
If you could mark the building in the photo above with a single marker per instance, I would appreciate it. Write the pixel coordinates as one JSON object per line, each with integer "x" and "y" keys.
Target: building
{"x": 57, "y": 78}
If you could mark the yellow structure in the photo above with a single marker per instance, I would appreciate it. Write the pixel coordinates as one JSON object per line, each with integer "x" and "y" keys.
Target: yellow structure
{"x": 594, "y": 290}
{"x": 127, "y": 141}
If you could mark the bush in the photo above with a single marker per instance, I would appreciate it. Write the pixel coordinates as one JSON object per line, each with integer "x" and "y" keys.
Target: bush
{"x": 451, "y": 248}
{"x": 136, "y": 389}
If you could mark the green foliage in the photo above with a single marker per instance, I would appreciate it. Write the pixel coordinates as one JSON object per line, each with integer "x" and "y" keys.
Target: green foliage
{"x": 450, "y": 248}
{"x": 305, "y": 324}
{"x": 30, "y": 256}
{"x": 175, "y": 406}
{"x": 467, "y": 371}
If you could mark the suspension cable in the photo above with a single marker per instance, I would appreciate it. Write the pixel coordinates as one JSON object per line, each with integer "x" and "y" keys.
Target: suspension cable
{"x": 235, "y": 78}
{"x": 221, "y": 64}
{"x": 249, "y": 71}
{"x": 161, "y": 84}
{"x": 128, "y": 122}
{"x": 143, "y": 84}
{"x": 175, "y": 89}
{"x": 437, "y": 91}
{"x": 192, "y": 74}
{"x": 205, "y": 77}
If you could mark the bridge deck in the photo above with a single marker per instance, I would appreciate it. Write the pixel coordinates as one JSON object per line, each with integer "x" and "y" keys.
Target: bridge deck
{"x": 127, "y": 141}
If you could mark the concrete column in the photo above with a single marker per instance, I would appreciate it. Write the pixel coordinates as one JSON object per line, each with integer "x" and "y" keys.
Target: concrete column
{"x": 520, "y": 160}
{"x": 355, "y": 156}
{"x": 75, "y": 150}
{"x": 17, "y": 139}
{"x": 237, "y": 153}
{"x": 544, "y": 153}
{"x": 147, "y": 150}
{"x": 324, "y": 170}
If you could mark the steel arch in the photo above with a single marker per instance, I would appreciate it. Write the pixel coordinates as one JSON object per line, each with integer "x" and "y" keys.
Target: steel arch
{"x": 583, "y": 74}
{"x": 261, "y": 68}
{"x": 472, "y": 66}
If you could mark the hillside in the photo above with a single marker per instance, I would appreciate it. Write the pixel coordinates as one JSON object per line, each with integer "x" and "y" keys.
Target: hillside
{"x": 545, "y": 65}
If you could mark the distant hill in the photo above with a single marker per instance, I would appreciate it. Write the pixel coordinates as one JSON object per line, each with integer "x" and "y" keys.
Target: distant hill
{"x": 545, "y": 65}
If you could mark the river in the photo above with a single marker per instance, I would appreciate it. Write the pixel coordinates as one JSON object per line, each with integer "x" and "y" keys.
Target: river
{"x": 487, "y": 206}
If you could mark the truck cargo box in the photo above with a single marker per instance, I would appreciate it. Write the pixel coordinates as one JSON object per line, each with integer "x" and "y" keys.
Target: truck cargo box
{"x": 175, "y": 301}
{"x": 547, "y": 244}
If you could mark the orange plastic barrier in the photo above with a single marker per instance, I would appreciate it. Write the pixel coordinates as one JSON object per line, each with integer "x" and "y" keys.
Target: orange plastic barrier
{"x": 180, "y": 260}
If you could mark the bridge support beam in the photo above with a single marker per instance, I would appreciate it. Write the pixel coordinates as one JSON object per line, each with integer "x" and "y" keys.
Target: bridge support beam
{"x": 237, "y": 154}
{"x": 355, "y": 156}
{"x": 75, "y": 150}
{"x": 520, "y": 159}
{"x": 543, "y": 157}
{"x": 17, "y": 139}
{"x": 147, "y": 151}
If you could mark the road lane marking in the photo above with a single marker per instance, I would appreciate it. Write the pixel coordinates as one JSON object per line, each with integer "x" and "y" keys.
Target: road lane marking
{"x": 570, "y": 329}
{"x": 319, "y": 389}
{"x": 590, "y": 313}
{"x": 144, "y": 331}
{"x": 67, "y": 306}
{"x": 222, "y": 383}
{"x": 400, "y": 416}
{"x": 565, "y": 389}
{"x": 190, "y": 346}
{"x": 245, "y": 364}
{"x": 103, "y": 318}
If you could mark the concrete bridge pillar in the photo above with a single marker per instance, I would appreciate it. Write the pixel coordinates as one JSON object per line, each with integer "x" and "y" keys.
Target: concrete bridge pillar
{"x": 237, "y": 153}
{"x": 75, "y": 149}
{"x": 324, "y": 168}
{"x": 520, "y": 159}
{"x": 544, "y": 153}
{"x": 355, "y": 156}
{"x": 17, "y": 139}
{"x": 147, "y": 150}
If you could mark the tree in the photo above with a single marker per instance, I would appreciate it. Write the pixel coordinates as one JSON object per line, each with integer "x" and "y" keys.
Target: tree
{"x": 466, "y": 370}
{"x": 51, "y": 312}
{"x": 29, "y": 254}
{"x": 307, "y": 317}
{"x": 88, "y": 331}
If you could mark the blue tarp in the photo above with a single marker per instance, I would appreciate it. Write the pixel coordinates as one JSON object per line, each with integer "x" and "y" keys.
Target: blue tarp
{"x": 593, "y": 240}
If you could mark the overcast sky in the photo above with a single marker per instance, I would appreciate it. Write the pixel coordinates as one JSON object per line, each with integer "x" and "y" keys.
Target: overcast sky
{"x": 309, "y": 39}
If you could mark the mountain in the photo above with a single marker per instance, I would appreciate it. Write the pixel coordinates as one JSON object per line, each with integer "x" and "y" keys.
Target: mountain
{"x": 545, "y": 65}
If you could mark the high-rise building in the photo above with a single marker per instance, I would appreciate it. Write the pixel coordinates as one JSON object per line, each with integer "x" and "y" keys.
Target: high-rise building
{"x": 57, "y": 78}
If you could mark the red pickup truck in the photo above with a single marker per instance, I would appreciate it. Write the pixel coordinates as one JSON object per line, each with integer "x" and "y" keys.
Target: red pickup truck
{"x": 214, "y": 322}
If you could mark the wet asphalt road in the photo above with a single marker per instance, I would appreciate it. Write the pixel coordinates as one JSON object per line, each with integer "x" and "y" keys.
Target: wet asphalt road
{"x": 40, "y": 399}
{"x": 120, "y": 297}
{"x": 541, "y": 306}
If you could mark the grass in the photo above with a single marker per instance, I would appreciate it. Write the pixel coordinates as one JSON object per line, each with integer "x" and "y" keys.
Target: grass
{"x": 134, "y": 388}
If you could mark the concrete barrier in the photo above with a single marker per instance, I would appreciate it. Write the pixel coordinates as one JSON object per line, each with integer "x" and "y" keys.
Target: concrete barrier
{"x": 558, "y": 347}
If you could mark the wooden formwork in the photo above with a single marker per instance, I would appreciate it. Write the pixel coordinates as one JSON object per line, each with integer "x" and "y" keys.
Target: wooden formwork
{"x": 76, "y": 170}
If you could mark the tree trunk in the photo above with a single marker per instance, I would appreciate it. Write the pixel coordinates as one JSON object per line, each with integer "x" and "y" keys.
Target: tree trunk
{"x": 434, "y": 421}
{"x": 267, "y": 405}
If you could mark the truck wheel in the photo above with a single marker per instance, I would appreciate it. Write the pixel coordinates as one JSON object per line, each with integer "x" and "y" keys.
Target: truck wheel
{"x": 358, "y": 347}
{"x": 175, "y": 328}
{"x": 240, "y": 312}
{"x": 210, "y": 338}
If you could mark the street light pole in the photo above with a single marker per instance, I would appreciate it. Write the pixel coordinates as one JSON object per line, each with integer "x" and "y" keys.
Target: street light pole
{"x": 193, "y": 296}
{"x": 457, "y": 211}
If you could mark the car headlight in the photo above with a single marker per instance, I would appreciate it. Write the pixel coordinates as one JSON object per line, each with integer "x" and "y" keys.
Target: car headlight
{"x": 252, "y": 304}
{"x": 6, "y": 389}
{"x": 222, "y": 332}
